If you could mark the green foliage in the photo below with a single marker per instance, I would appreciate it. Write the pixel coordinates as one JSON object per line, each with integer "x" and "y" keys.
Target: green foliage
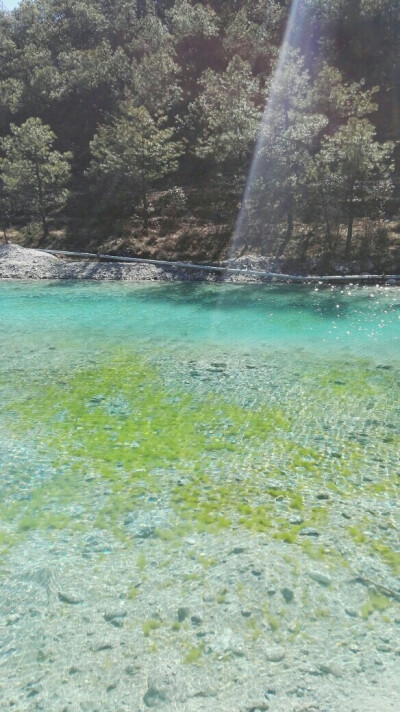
{"x": 197, "y": 74}
{"x": 132, "y": 153}
{"x": 290, "y": 129}
{"x": 159, "y": 71}
{"x": 229, "y": 114}
{"x": 255, "y": 29}
{"x": 32, "y": 173}
{"x": 188, "y": 19}
{"x": 354, "y": 168}
{"x": 339, "y": 100}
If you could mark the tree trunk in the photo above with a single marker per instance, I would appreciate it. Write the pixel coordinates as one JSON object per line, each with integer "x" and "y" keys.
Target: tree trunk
{"x": 44, "y": 223}
{"x": 145, "y": 209}
{"x": 289, "y": 228}
{"x": 5, "y": 235}
{"x": 349, "y": 236}
{"x": 42, "y": 210}
{"x": 328, "y": 231}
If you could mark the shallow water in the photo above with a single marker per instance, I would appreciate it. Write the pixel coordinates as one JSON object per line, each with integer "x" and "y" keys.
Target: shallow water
{"x": 147, "y": 431}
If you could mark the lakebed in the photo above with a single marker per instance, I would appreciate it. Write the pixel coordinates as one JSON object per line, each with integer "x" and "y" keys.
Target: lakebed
{"x": 199, "y": 502}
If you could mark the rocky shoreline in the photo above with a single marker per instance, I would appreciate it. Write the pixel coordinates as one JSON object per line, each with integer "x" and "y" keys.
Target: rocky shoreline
{"x": 24, "y": 263}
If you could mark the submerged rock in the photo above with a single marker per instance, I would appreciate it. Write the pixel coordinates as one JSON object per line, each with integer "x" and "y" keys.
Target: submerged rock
{"x": 287, "y": 594}
{"x": 321, "y": 578}
{"x": 276, "y": 654}
{"x": 72, "y": 598}
{"x": 309, "y": 531}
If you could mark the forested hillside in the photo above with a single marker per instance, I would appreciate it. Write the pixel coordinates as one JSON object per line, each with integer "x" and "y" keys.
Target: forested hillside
{"x": 131, "y": 125}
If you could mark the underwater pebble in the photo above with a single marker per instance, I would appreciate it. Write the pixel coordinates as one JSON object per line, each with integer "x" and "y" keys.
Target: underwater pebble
{"x": 275, "y": 655}
{"x": 308, "y": 531}
{"x": 383, "y": 526}
{"x": 321, "y": 578}
{"x": 196, "y": 619}
{"x": 270, "y": 691}
{"x": 145, "y": 532}
{"x": 112, "y": 615}
{"x": 208, "y": 598}
{"x": 287, "y": 594}
{"x": 71, "y": 598}
{"x": 159, "y": 689}
{"x": 13, "y": 619}
{"x": 331, "y": 668}
{"x": 117, "y": 623}
{"x": 132, "y": 669}
{"x": 101, "y": 645}
{"x": 183, "y": 613}
{"x": 228, "y": 643}
{"x": 238, "y": 550}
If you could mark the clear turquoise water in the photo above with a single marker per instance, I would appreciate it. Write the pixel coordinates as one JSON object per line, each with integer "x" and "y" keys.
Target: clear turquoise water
{"x": 149, "y": 431}
{"x": 291, "y": 367}
{"x": 359, "y": 321}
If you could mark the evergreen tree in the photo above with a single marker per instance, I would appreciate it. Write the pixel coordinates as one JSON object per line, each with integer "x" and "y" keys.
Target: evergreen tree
{"x": 32, "y": 172}
{"x": 204, "y": 65}
{"x": 357, "y": 169}
{"x": 289, "y": 134}
{"x": 230, "y": 116}
{"x": 133, "y": 153}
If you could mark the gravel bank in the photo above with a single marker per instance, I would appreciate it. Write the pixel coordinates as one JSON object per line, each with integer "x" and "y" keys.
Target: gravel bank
{"x": 23, "y": 263}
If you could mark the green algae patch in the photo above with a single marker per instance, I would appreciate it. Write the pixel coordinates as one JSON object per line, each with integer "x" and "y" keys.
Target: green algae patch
{"x": 115, "y": 438}
{"x": 112, "y": 440}
{"x": 375, "y": 602}
{"x": 193, "y": 655}
{"x": 149, "y": 626}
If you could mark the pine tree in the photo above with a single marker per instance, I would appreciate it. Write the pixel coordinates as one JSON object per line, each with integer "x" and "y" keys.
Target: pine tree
{"x": 229, "y": 116}
{"x": 33, "y": 174}
{"x": 289, "y": 134}
{"x": 132, "y": 153}
{"x": 357, "y": 169}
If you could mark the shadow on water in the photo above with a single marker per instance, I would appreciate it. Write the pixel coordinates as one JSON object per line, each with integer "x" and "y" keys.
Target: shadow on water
{"x": 326, "y": 302}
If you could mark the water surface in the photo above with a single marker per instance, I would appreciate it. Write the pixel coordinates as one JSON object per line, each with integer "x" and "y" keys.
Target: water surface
{"x": 149, "y": 431}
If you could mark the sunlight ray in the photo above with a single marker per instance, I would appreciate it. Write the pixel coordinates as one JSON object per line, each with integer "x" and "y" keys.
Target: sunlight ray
{"x": 294, "y": 32}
